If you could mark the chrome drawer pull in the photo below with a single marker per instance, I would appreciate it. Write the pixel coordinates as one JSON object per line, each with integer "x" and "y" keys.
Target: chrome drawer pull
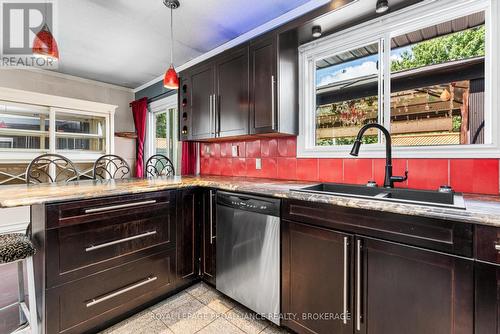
{"x": 497, "y": 247}
{"x": 120, "y": 292}
{"x": 119, "y": 206}
{"x": 111, "y": 243}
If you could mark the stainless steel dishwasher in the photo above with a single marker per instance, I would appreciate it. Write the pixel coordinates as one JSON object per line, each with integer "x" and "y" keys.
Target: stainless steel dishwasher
{"x": 248, "y": 252}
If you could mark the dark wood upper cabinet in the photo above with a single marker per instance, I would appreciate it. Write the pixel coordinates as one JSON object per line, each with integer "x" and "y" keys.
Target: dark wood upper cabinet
{"x": 231, "y": 104}
{"x": 402, "y": 289}
{"x": 317, "y": 279}
{"x": 248, "y": 90}
{"x": 263, "y": 85}
{"x": 274, "y": 84}
{"x": 202, "y": 102}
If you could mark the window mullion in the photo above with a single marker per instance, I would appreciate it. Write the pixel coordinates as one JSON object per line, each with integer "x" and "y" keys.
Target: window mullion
{"x": 386, "y": 103}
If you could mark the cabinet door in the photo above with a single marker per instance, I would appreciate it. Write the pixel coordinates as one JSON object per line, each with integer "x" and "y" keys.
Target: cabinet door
{"x": 209, "y": 241}
{"x": 487, "y": 310}
{"x": 202, "y": 103}
{"x": 189, "y": 214}
{"x": 401, "y": 289}
{"x": 316, "y": 279}
{"x": 263, "y": 86}
{"x": 232, "y": 94}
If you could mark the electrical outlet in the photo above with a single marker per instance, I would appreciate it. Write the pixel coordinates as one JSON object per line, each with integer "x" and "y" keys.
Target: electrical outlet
{"x": 235, "y": 151}
{"x": 207, "y": 149}
{"x": 258, "y": 163}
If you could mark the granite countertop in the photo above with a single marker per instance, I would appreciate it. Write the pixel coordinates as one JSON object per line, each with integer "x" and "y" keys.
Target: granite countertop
{"x": 480, "y": 209}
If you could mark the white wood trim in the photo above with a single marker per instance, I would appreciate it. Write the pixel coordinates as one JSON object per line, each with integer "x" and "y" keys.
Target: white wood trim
{"x": 268, "y": 26}
{"x": 411, "y": 18}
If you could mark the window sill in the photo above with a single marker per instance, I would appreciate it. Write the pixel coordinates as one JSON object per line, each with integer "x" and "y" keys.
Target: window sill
{"x": 378, "y": 151}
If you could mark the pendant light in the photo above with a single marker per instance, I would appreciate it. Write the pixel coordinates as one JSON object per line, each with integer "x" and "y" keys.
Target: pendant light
{"x": 382, "y": 6}
{"x": 44, "y": 44}
{"x": 171, "y": 80}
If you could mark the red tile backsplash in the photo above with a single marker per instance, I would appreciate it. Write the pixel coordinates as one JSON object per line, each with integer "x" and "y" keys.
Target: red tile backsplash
{"x": 475, "y": 175}
{"x": 428, "y": 174}
{"x": 279, "y": 160}
{"x": 307, "y": 169}
{"x": 358, "y": 171}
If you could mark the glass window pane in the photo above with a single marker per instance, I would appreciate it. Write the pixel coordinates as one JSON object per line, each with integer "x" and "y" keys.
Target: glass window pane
{"x": 347, "y": 96}
{"x": 80, "y": 132}
{"x": 161, "y": 134}
{"x": 437, "y": 84}
{"x": 23, "y": 127}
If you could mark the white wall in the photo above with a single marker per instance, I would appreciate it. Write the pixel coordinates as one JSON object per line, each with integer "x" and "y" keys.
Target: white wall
{"x": 52, "y": 83}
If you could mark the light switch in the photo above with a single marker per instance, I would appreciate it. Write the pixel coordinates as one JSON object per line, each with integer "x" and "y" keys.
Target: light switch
{"x": 235, "y": 151}
{"x": 258, "y": 163}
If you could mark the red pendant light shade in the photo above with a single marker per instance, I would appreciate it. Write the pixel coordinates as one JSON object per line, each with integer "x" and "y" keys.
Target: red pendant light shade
{"x": 45, "y": 45}
{"x": 171, "y": 80}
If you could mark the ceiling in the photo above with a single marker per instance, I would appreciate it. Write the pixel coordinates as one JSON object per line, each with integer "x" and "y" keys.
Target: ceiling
{"x": 126, "y": 42}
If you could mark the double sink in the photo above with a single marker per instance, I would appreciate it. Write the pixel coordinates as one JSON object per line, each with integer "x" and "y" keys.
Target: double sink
{"x": 445, "y": 197}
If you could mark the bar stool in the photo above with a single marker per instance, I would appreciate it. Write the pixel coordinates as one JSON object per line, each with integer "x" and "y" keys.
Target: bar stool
{"x": 159, "y": 165}
{"x": 111, "y": 166}
{"x": 17, "y": 247}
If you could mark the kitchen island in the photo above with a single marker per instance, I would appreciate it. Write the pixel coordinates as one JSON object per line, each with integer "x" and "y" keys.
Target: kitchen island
{"x": 107, "y": 249}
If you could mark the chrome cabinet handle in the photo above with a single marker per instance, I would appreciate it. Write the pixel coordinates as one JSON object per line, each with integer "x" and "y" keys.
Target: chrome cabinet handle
{"x": 358, "y": 285}
{"x": 211, "y": 217}
{"x": 210, "y": 111}
{"x": 119, "y": 206}
{"x": 497, "y": 247}
{"x": 96, "y": 301}
{"x": 346, "y": 242}
{"x": 273, "y": 116}
{"x": 111, "y": 243}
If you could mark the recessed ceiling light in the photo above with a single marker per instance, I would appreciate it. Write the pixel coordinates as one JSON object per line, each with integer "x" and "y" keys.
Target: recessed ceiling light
{"x": 316, "y": 31}
{"x": 382, "y": 6}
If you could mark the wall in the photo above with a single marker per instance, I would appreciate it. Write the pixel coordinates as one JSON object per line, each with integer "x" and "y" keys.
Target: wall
{"x": 52, "y": 83}
{"x": 279, "y": 161}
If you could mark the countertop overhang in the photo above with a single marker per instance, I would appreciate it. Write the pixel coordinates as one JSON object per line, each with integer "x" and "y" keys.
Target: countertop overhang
{"x": 483, "y": 210}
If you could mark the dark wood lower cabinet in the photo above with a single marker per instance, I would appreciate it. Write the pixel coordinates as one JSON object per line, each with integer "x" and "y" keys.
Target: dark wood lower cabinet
{"x": 208, "y": 237}
{"x": 317, "y": 279}
{"x": 487, "y": 288}
{"x": 88, "y": 304}
{"x": 401, "y": 289}
{"x": 390, "y": 288}
{"x": 189, "y": 217}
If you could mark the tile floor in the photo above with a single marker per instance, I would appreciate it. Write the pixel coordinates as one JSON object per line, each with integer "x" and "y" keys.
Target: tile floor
{"x": 198, "y": 309}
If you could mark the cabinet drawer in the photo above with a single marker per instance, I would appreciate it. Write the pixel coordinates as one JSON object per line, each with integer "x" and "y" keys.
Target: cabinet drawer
{"x": 487, "y": 240}
{"x": 435, "y": 234}
{"x": 88, "y": 304}
{"x": 78, "y": 212}
{"x": 79, "y": 250}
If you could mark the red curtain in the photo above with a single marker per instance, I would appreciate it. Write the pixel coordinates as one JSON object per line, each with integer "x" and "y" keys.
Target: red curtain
{"x": 188, "y": 163}
{"x": 139, "y": 110}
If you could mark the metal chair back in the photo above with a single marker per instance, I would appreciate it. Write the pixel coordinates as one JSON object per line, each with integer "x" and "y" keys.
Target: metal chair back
{"x": 159, "y": 165}
{"x": 111, "y": 166}
{"x": 50, "y": 168}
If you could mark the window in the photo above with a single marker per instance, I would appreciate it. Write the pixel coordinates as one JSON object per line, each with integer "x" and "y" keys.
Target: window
{"x": 79, "y": 132}
{"x": 162, "y": 137}
{"x": 23, "y": 127}
{"x": 426, "y": 77}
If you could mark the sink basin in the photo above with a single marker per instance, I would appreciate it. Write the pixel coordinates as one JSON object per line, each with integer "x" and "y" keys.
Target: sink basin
{"x": 409, "y": 196}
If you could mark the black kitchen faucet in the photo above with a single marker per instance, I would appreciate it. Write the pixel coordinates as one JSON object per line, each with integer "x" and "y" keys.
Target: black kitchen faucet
{"x": 389, "y": 179}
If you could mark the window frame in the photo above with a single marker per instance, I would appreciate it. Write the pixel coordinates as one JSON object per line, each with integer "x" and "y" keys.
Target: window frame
{"x": 409, "y": 19}
{"x": 57, "y": 104}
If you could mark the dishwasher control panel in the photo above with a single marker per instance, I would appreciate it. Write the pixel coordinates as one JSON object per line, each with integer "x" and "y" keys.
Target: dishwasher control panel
{"x": 269, "y": 206}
